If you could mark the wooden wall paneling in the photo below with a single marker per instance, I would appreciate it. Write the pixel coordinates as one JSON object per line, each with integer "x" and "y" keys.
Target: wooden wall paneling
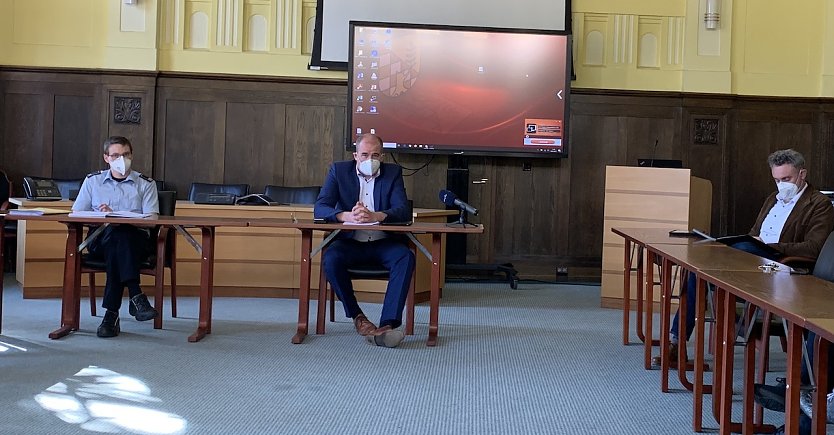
{"x": 122, "y": 118}
{"x": 423, "y": 187}
{"x": 27, "y": 137}
{"x": 254, "y": 143}
{"x": 75, "y": 136}
{"x": 314, "y": 138}
{"x": 485, "y": 189}
{"x": 189, "y": 147}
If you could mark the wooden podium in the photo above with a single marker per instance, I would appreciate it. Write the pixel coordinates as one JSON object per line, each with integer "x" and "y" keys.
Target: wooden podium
{"x": 637, "y": 197}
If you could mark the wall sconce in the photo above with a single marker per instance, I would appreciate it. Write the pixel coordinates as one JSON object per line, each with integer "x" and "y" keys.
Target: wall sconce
{"x": 713, "y": 14}
{"x": 130, "y": 2}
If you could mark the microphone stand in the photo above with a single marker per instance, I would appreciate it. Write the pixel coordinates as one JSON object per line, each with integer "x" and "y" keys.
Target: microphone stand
{"x": 461, "y": 222}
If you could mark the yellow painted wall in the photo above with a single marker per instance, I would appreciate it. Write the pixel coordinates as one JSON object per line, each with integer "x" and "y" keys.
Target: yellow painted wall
{"x": 662, "y": 45}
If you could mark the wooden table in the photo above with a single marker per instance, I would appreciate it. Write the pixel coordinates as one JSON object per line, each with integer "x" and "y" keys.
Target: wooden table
{"x": 795, "y": 298}
{"x": 824, "y": 328}
{"x": 638, "y": 238}
{"x": 307, "y": 227}
{"x": 695, "y": 257}
{"x": 70, "y": 295}
{"x": 249, "y": 262}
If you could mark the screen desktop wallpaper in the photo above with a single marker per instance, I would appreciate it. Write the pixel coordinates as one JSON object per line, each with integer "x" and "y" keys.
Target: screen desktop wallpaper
{"x": 459, "y": 89}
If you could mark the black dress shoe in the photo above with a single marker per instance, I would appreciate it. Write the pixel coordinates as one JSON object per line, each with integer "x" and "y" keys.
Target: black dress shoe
{"x": 771, "y": 397}
{"x": 109, "y": 325}
{"x": 142, "y": 309}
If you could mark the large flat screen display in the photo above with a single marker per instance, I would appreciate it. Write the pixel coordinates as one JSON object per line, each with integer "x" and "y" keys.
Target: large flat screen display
{"x": 458, "y": 90}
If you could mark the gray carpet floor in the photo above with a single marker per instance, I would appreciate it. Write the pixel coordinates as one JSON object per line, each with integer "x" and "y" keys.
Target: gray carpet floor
{"x": 543, "y": 359}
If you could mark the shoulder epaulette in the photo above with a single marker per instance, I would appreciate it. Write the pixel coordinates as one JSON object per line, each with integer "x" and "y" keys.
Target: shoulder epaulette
{"x": 94, "y": 173}
{"x": 146, "y": 178}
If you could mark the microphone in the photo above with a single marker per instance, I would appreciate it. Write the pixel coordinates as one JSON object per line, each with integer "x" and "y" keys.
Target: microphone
{"x": 452, "y": 200}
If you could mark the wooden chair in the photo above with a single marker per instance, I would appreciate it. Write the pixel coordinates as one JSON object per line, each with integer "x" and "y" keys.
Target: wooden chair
{"x": 164, "y": 256}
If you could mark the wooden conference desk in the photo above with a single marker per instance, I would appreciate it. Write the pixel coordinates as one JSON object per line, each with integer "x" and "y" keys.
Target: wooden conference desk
{"x": 71, "y": 279}
{"x": 636, "y": 239}
{"x": 435, "y": 231}
{"x": 249, "y": 261}
{"x": 697, "y": 257}
{"x": 804, "y": 301}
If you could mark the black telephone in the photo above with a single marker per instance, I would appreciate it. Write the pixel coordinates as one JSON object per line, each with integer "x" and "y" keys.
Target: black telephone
{"x": 255, "y": 199}
{"x": 41, "y": 189}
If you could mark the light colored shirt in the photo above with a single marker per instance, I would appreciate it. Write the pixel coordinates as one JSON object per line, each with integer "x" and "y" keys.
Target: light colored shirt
{"x": 136, "y": 193}
{"x": 774, "y": 222}
{"x": 366, "y": 196}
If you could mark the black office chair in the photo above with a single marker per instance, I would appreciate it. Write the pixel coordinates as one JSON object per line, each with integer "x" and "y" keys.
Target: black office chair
{"x": 292, "y": 195}
{"x": 235, "y": 189}
{"x": 164, "y": 255}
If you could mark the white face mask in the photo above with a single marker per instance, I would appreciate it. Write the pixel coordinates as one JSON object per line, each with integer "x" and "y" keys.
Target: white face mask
{"x": 787, "y": 190}
{"x": 120, "y": 165}
{"x": 369, "y": 167}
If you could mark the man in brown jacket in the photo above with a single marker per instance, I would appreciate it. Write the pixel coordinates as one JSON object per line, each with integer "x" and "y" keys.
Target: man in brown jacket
{"x": 795, "y": 220}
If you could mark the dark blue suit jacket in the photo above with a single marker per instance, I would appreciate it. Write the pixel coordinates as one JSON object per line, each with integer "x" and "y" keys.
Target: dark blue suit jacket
{"x": 341, "y": 191}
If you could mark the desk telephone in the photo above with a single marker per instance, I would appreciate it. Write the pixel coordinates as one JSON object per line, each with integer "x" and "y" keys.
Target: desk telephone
{"x": 41, "y": 189}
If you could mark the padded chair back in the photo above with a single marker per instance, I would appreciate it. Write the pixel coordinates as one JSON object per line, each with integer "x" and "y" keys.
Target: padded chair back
{"x": 167, "y": 202}
{"x": 5, "y": 191}
{"x": 824, "y": 267}
{"x": 235, "y": 189}
{"x": 69, "y": 188}
{"x": 292, "y": 195}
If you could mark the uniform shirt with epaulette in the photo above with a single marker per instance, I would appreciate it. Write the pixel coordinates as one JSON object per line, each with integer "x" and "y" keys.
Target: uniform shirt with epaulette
{"x": 136, "y": 193}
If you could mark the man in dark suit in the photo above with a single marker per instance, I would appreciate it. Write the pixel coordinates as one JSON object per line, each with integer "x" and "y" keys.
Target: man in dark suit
{"x": 366, "y": 191}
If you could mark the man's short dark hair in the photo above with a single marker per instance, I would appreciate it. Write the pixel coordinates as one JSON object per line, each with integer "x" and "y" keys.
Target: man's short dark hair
{"x": 786, "y": 157}
{"x": 117, "y": 140}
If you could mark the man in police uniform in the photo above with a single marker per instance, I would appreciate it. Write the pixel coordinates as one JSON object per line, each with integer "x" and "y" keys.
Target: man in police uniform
{"x": 122, "y": 247}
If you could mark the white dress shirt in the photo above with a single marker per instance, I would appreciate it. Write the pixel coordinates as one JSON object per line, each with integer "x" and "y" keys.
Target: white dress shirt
{"x": 366, "y": 196}
{"x": 774, "y": 222}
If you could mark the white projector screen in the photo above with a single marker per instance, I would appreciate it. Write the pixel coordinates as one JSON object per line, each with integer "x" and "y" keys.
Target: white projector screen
{"x": 330, "y": 44}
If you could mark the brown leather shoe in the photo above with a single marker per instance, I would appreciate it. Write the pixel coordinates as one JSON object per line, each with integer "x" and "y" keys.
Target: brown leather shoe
{"x": 363, "y": 326}
{"x": 673, "y": 357}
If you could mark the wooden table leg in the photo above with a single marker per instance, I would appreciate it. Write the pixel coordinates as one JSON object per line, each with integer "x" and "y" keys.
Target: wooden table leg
{"x": 2, "y": 265}
{"x": 304, "y": 287}
{"x": 71, "y": 292}
{"x": 647, "y": 342}
{"x": 206, "y": 285}
{"x": 726, "y": 387}
{"x": 435, "y": 290}
{"x": 640, "y": 285}
{"x": 665, "y": 309}
{"x": 698, "y": 384}
{"x": 793, "y": 378}
{"x": 626, "y": 289}
{"x": 821, "y": 362}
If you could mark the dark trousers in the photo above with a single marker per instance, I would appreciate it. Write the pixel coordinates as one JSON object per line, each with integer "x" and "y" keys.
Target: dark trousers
{"x": 389, "y": 253}
{"x": 123, "y": 248}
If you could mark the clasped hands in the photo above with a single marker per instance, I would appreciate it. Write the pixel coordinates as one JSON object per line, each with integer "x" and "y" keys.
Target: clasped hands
{"x": 361, "y": 215}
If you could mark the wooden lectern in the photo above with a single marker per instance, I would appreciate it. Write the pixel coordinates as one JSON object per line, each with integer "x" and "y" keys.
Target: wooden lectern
{"x": 639, "y": 197}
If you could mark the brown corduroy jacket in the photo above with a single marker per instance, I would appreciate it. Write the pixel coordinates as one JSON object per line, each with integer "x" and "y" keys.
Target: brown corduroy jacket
{"x": 807, "y": 227}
